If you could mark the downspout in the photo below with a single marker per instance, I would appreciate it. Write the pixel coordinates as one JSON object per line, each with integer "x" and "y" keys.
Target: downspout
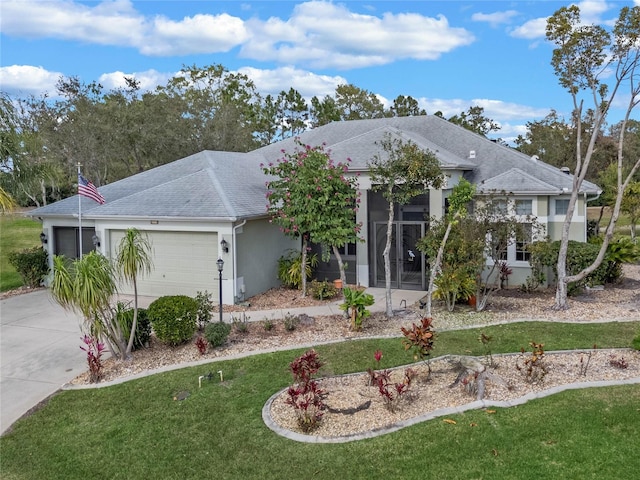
{"x": 235, "y": 259}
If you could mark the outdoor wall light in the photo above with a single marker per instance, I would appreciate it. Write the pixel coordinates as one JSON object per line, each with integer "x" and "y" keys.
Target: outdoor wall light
{"x": 43, "y": 238}
{"x": 224, "y": 245}
{"x": 96, "y": 241}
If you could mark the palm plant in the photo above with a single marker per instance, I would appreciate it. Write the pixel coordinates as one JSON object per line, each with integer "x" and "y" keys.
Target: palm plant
{"x": 132, "y": 259}
{"x": 86, "y": 286}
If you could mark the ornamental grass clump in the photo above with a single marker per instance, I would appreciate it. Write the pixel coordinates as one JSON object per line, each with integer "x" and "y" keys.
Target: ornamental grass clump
{"x": 305, "y": 395}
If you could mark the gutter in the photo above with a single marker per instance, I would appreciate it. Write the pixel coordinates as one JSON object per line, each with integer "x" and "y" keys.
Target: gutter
{"x": 235, "y": 259}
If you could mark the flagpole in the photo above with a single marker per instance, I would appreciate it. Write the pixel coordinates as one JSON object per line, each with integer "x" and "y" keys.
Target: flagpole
{"x": 79, "y": 212}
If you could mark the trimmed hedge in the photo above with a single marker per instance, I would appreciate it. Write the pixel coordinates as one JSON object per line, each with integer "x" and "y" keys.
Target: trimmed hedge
{"x": 173, "y": 318}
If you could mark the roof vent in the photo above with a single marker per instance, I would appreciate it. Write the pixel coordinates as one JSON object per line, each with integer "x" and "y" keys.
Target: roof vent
{"x": 472, "y": 154}
{"x": 565, "y": 170}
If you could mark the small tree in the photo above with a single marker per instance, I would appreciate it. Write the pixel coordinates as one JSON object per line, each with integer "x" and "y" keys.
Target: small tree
{"x": 86, "y": 286}
{"x": 133, "y": 258}
{"x": 631, "y": 205}
{"x": 312, "y": 197}
{"x": 404, "y": 171}
{"x": 461, "y": 195}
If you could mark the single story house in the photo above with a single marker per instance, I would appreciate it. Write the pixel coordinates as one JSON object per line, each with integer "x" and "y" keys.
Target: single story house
{"x": 212, "y": 205}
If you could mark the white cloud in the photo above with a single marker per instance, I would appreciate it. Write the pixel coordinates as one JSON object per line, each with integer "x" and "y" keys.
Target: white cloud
{"x": 318, "y": 33}
{"x": 149, "y": 79}
{"x": 26, "y": 80}
{"x": 531, "y": 29}
{"x": 192, "y": 35}
{"x": 117, "y": 23}
{"x": 112, "y": 23}
{"x": 494, "y": 19}
{"x": 323, "y": 34}
{"x": 309, "y": 84}
{"x": 494, "y": 109}
{"x": 591, "y": 13}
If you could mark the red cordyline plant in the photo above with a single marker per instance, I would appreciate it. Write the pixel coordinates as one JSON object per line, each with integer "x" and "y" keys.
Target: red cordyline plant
{"x": 305, "y": 396}
{"x": 94, "y": 350}
{"x": 201, "y": 345}
{"x": 420, "y": 338}
{"x": 392, "y": 392}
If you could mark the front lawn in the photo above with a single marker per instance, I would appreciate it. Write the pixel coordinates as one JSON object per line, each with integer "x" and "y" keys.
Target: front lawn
{"x": 16, "y": 234}
{"x": 138, "y": 430}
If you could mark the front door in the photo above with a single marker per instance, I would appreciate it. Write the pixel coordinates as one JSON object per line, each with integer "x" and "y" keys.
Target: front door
{"x": 407, "y": 264}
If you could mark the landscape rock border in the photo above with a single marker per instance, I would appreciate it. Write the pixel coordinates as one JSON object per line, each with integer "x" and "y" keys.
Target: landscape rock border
{"x": 437, "y": 413}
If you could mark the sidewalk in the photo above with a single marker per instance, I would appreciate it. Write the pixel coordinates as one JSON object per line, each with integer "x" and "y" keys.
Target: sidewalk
{"x": 40, "y": 344}
{"x": 400, "y": 299}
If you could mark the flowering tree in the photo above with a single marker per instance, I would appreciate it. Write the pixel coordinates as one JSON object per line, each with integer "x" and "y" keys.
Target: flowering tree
{"x": 311, "y": 196}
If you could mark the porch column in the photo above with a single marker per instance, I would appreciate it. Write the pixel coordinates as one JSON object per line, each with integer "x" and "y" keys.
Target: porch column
{"x": 362, "y": 248}
{"x": 436, "y": 204}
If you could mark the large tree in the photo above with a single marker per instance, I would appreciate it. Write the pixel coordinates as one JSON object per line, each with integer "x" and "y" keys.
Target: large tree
{"x": 401, "y": 172}
{"x": 475, "y": 121}
{"x": 355, "y": 103}
{"x": 584, "y": 58}
{"x": 312, "y": 196}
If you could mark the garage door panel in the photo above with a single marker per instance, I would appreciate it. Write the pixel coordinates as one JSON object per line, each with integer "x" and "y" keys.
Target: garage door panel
{"x": 183, "y": 263}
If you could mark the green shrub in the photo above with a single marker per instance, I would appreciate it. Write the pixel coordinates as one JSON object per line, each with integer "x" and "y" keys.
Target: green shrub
{"x": 143, "y": 326}
{"x": 205, "y": 309}
{"x": 173, "y": 318}
{"x": 290, "y": 322}
{"x": 31, "y": 264}
{"x": 290, "y": 268}
{"x": 579, "y": 256}
{"x": 355, "y": 304}
{"x": 323, "y": 290}
{"x": 216, "y": 333}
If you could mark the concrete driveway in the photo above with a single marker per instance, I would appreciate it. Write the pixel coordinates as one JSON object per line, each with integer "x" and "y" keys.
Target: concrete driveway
{"x": 39, "y": 352}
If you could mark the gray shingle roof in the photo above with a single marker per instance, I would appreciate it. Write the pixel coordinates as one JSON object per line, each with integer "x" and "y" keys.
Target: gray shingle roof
{"x": 229, "y": 185}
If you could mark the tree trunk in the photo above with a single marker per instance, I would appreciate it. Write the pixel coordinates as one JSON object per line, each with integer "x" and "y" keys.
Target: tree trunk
{"x": 303, "y": 266}
{"x": 134, "y": 324}
{"x": 435, "y": 267}
{"x": 343, "y": 275}
{"x": 387, "y": 263}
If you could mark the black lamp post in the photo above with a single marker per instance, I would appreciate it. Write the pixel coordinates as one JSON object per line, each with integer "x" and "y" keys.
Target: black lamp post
{"x": 220, "y": 264}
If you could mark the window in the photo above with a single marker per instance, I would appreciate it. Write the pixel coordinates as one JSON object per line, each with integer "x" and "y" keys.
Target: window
{"x": 562, "y": 205}
{"x": 499, "y": 207}
{"x": 523, "y": 239}
{"x": 348, "y": 250}
{"x": 524, "y": 207}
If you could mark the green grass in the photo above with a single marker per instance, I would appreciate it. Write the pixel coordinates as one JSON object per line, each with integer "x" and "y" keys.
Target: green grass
{"x": 16, "y": 233}
{"x": 136, "y": 430}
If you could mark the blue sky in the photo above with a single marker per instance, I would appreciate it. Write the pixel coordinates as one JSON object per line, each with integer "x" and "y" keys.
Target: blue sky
{"x": 449, "y": 55}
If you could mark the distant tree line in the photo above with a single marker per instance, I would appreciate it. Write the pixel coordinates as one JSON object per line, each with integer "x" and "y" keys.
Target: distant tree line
{"x": 124, "y": 131}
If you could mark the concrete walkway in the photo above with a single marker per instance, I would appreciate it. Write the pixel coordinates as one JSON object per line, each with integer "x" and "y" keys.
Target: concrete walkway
{"x": 40, "y": 344}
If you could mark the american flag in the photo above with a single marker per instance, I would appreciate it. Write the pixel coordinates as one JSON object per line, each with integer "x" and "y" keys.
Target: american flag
{"x": 89, "y": 190}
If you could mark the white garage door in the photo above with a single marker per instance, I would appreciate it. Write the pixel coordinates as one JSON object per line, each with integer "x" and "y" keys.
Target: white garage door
{"x": 183, "y": 264}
